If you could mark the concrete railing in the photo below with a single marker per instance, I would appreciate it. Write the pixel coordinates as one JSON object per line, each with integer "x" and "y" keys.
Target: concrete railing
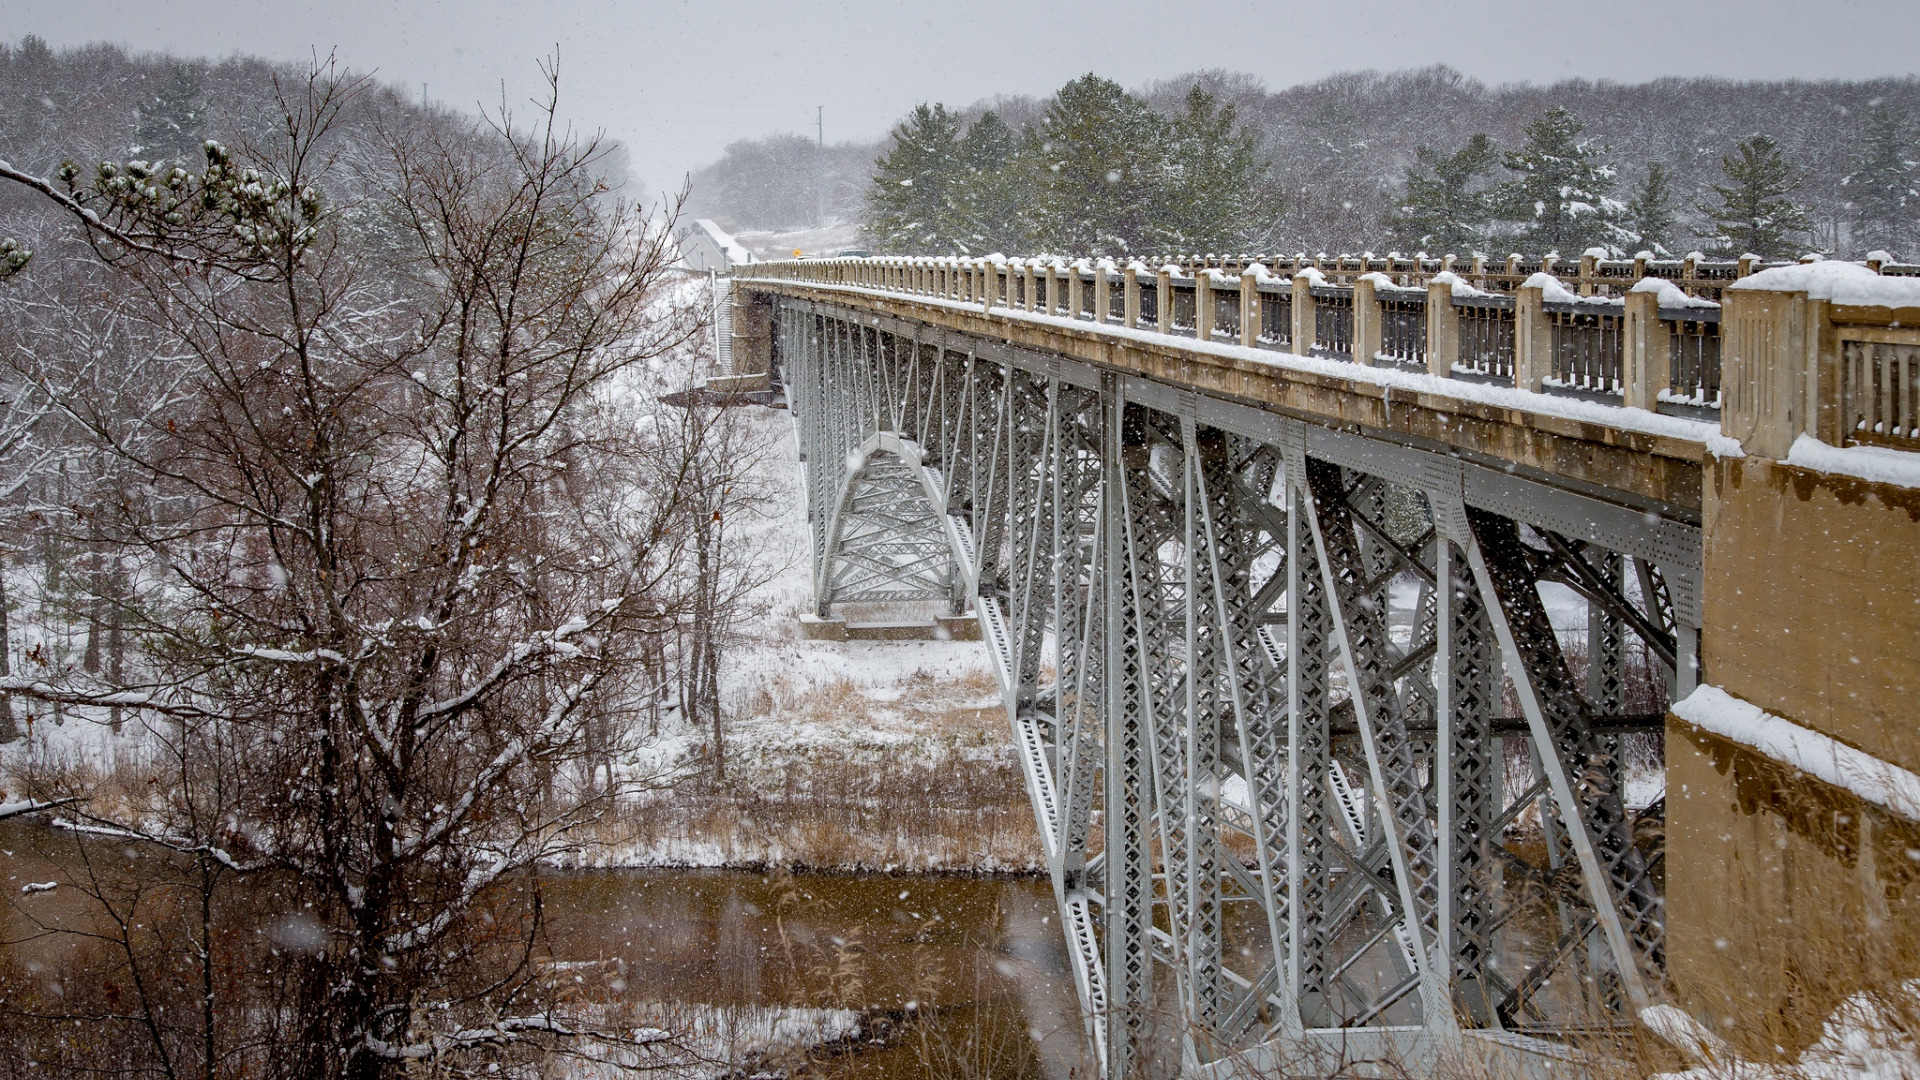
{"x": 1653, "y": 345}
{"x": 1824, "y": 352}
{"x": 1827, "y": 349}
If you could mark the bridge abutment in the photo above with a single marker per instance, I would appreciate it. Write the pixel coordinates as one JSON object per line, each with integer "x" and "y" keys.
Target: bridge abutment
{"x": 1788, "y": 891}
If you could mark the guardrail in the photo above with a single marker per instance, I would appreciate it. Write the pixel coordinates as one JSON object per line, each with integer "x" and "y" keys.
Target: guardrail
{"x": 1540, "y": 334}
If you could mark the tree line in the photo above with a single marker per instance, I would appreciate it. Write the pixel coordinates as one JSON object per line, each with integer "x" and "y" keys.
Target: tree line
{"x": 1561, "y": 195}
{"x": 1098, "y": 172}
{"x": 1371, "y": 161}
{"x": 337, "y": 495}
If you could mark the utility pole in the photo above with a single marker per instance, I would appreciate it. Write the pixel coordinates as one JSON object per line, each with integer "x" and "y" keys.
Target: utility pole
{"x": 820, "y": 167}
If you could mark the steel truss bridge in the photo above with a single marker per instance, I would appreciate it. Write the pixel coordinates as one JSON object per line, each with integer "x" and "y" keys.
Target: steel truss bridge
{"x": 1266, "y": 668}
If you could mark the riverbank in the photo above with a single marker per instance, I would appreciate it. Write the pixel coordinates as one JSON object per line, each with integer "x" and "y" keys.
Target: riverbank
{"x": 868, "y": 756}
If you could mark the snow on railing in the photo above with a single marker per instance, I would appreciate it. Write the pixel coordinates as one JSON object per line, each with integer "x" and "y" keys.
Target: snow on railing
{"x": 1643, "y": 332}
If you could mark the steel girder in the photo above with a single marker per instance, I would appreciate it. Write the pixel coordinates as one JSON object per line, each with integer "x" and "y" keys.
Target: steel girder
{"x": 1254, "y": 670}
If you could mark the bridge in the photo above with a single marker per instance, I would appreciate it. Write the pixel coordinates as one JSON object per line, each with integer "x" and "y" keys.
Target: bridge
{"x": 1331, "y": 599}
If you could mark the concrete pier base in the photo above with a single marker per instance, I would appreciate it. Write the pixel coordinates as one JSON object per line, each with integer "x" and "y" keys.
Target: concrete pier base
{"x": 940, "y": 628}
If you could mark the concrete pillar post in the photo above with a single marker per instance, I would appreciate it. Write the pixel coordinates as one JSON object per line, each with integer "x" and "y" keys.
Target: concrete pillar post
{"x": 1163, "y": 299}
{"x": 1076, "y": 288}
{"x": 1303, "y": 322}
{"x": 1131, "y": 297}
{"x": 1532, "y": 339}
{"x": 1443, "y": 330}
{"x": 1250, "y": 305}
{"x": 1589, "y": 269}
{"x": 1367, "y": 331}
{"x": 1026, "y": 283}
{"x": 1102, "y": 291}
{"x": 1765, "y": 339}
{"x": 1203, "y": 304}
{"x": 1645, "y": 351}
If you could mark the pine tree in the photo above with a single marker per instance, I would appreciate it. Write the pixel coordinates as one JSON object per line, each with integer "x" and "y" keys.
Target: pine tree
{"x": 1214, "y": 198}
{"x": 993, "y": 199}
{"x": 1558, "y": 196}
{"x": 169, "y": 125}
{"x": 910, "y": 200}
{"x": 1755, "y": 215}
{"x": 1883, "y": 191}
{"x": 1098, "y": 164}
{"x": 1441, "y": 212}
{"x": 1650, "y": 212}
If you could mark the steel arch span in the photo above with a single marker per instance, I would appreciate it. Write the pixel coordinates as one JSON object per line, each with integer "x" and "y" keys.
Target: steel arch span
{"x": 1315, "y": 771}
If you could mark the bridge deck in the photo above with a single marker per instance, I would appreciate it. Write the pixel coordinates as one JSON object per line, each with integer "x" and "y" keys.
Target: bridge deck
{"x": 1640, "y": 459}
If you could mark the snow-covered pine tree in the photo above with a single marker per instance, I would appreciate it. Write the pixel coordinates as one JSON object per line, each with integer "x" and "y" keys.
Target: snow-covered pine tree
{"x": 1214, "y": 196}
{"x": 1755, "y": 214}
{"x": 1559, "y": 196}
{"x": 910, "y": 199}
{"x": 1883, "y": 190}
{"x": 1098, "y": 161}
{"x": 170, "y": 122}
{"x": 993, "y": 198}
{"x": 1650, "y": 211}
{"x": 1442, "y": 211}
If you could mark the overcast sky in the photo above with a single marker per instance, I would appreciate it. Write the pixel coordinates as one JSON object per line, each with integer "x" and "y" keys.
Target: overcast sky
{"x": 677, "y": 80}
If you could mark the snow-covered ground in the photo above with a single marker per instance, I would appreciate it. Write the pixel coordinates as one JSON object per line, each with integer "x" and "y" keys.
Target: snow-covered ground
{"x": 852, "y": 755}
{"x": 805, "y": 241}
{"x": 692, "y": 1041}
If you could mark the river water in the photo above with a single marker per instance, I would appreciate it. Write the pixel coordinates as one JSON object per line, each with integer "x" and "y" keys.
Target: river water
{"x": 940, "y": 976}
{"x": 975, "y": 967}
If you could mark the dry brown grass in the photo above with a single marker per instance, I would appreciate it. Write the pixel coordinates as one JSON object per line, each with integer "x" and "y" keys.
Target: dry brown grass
{"x": 914, "y": 777}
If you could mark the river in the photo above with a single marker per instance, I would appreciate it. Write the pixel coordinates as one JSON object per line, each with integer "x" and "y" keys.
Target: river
{"x": 941, "y": 976}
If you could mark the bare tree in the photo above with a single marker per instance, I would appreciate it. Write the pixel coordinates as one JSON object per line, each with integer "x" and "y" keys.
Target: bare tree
{"x": 396, "y": 551}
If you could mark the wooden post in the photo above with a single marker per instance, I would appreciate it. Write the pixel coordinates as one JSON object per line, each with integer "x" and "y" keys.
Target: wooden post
{"x": 1303, "y": 331}
{"x": 1646, "y": 351}
{"x": 1366, "y": 341}
{"x": 1163, "y": 298}
{"x": 1532, "y": 339}
{"x": 1250, "y": 305}
{"x": 1443, "y": 330}
{"x": 1589, "y": 269}
{"x": 1203, "y": 304}
{"x": 1131, "y": 293}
